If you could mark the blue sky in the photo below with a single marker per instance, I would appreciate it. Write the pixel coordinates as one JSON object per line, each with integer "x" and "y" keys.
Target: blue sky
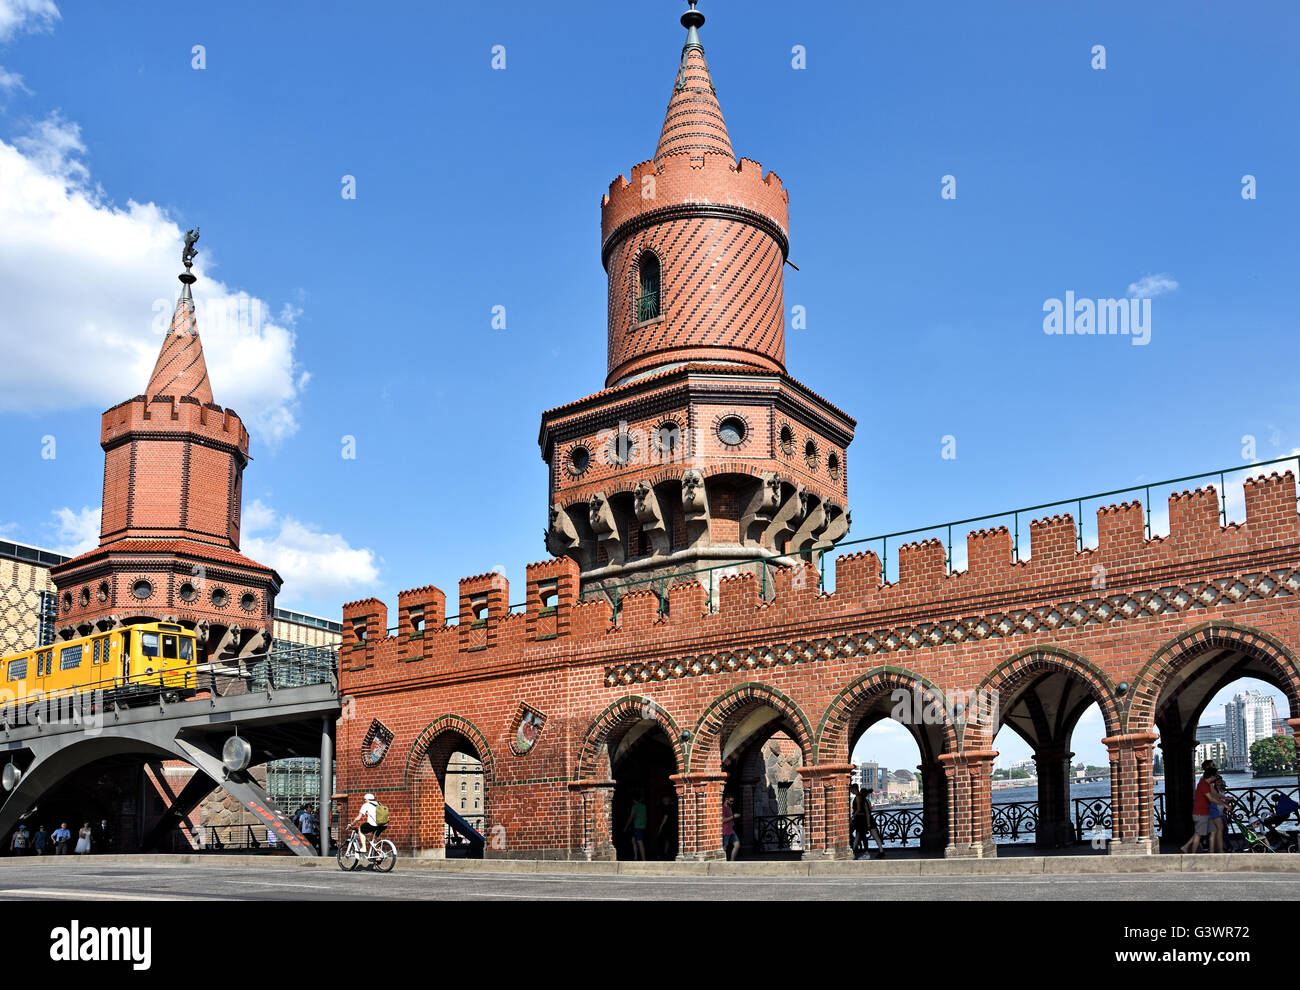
{"x": 480, "y": 187}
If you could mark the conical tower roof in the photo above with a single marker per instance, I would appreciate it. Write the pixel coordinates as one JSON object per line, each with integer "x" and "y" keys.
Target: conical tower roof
{"x": 693, "y": 121}
{"x": 181, "y": 370}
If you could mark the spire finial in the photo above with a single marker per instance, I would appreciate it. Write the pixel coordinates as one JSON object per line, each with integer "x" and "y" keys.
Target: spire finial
{"x": 187, "y": 259}
{"x": 692, "y": 20}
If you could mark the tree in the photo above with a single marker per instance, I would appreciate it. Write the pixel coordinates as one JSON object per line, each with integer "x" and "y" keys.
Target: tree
{"x": 1273, "y": 755}
{"x": 1159, "y": 768}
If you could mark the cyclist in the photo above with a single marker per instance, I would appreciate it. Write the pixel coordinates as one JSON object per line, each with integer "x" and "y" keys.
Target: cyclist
{"x": 370, "y": 831}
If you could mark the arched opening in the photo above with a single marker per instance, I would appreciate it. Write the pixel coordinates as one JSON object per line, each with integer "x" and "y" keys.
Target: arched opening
{"x": 893, "y": 728}
{"x": 648, "y": 301}
{"x": 1048, "y": 712}
{"x": 450, "y": 775}
{"x": 1224, "y": 696}
{"x": 771, "y": 798}
{"x": 644, "y": 808}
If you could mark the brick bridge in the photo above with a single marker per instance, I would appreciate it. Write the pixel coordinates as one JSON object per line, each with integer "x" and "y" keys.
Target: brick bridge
{"x": 682, "y": 695}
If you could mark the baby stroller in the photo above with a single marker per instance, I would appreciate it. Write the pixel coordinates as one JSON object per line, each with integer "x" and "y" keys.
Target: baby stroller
{"x": 1260, "y": 834}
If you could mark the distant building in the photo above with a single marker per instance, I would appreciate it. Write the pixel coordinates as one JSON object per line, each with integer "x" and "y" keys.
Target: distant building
{"x": 1216, "y": 751}
{"x": 1249, "y": 717}
{"x": 874, "y": 777}
{"x": 28, "y": 604}
{"x": 1212, "y": 733}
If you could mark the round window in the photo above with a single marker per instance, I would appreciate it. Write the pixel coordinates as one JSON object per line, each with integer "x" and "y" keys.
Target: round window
{"x": 142, "y": 589}
{"x": 188, "y": 592}
{"x": 669, "y": 435}
{"x": 85, "y": 597}
{"x": 67, "y": 601}
{"x": 731, "y": 431}
{"x": 786, "y": 440}
{"x": 248, "y": 602}
{"x": 579, "y": 460}
{"x": 833, "y": 466}
{"x": 103, "y": 591}
{"x": 619, "y": 449}
{"x": 220, "y": 597}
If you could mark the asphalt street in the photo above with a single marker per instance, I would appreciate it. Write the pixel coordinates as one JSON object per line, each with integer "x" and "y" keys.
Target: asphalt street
{"x": 138, "y": 882}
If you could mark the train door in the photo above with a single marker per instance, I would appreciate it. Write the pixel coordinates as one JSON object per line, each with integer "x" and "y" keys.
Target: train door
{"x": 125, "y": 660}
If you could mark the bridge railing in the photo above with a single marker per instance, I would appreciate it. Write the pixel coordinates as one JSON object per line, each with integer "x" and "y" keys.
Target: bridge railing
{"x": 1230, "y": 504}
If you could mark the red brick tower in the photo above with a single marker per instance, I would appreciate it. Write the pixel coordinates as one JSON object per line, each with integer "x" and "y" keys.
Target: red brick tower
{"x": 169, "y": 535}
{"x": 701, "y": 450}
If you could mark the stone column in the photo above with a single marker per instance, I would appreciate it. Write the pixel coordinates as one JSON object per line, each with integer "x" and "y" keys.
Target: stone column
{"x": 1180, "y": 775}
{"x": 748, "y": 810}
{"x": 970, "y": 803}
{"x": 699, "y": 815}
{"x": 1132, "y": 820}
{"x": 1055, "y": 829}
{"x": 933, "y": 793}
{"x": 591, "y": 809}
{"x": 826, "y": 810}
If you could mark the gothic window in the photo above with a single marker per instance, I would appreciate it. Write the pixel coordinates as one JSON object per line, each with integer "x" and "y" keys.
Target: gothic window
{"x": 647, "y": 304}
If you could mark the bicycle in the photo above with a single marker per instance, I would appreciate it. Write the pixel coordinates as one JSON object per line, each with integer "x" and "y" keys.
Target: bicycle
{"x": 382, "y": 855}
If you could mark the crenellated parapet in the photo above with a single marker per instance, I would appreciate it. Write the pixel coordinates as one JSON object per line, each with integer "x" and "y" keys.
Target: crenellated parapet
{"x": 161, "y": 415}
{"x": 559, "y": 628}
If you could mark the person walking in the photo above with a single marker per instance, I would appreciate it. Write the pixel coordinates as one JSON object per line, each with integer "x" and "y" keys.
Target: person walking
{"x": 730, "y": 840}
{"x": 1200, "y": 809}
{"x": 62, "y": 839}
{"x": 868, "y": 826}
{"x": 20, "y": 843}
{"x": 41, "y": 840}
{"x": 83, "y": 839}
{"x": 636, "y": 821}
{"x": 1218, "y": 800}
{"x": 853, "y": 819}
{"x": 666, "y": 834}
{"x": 103, "y": 836}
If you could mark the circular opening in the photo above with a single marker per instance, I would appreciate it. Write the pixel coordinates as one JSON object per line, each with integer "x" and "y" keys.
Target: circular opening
{"x": 67, "y": 601}
{"x": 670, "y": 438}
{"x": 833, "y": 466}
{"x": 85, "y": 597}
{"x": 787, "y": 440}
{"x": 248, "y": 602}
{"x": 579, "y": 460}
{"x": 188, "y": 592}
{"x": 620, "y": 447}
{"x": 142, "y": 589}
{"x": 103, "y": 591}
{"x": 220, "y": 597}
{"x": 731, "y": 431}
{"x": 810, "y": 453}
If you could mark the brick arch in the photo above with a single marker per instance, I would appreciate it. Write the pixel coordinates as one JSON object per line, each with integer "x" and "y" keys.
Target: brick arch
{"x": 1177, "y": 652}
{"x": 838, "y": 719}
{"x": 440, "y": 726}
{"x": 711, "y": 724}
{"x": 1009, "y": 675}
{"x": 629, "y": 708}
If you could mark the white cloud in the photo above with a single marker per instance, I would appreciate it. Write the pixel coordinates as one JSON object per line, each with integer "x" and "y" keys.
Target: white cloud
{"x": 314, "y": 565}
{"x": 1150, "y": 286}
{"x": 30, "y": 15}
{"x": 82, "y": 276}
{"x": 78, "y": 530}
{"x": 10, "y": 80}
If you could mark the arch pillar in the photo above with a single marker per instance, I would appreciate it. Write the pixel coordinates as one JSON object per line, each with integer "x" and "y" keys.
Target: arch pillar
{"x": 591, "y": 819}
{"x": 1179, "y": 753}
{"x": 1055, "y": 828}
{"x": 826, "y": 811}
{"x": 699, "y": 815}
{"x": 1131, "y": 794}
{"x": 428, "y": 817}
{"x": 970, "y": 803}
{"x": 934, "y": 807}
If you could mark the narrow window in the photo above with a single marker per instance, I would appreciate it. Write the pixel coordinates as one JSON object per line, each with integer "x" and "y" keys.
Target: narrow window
{"x": 647, "y": 307}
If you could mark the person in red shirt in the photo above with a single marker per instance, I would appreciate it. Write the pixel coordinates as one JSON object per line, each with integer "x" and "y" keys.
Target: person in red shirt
{"x": 1201, "y": 808}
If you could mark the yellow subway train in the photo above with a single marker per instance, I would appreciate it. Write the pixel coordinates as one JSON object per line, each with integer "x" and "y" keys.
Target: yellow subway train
{"x": 139, "y": 662}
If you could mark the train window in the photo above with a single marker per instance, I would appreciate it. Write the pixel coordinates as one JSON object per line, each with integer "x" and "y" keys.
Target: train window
{"x": 70, "y": 658}
{"x": 18, "y": 669}
{"x": 169, "y": 647}
{"x": 96, "y": 654}
{"x": 149, "y": 644}
{"x": 187, "y": 648}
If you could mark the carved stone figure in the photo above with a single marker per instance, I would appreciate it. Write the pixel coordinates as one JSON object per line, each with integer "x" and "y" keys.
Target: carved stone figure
{"x": 764, "y": 503}
{"x": 187, "y": 256}
{"x": 786, "y": 521}
{"x": 562, "y": 537}
{"x": 650, "y": 517}
{"x": 695, "y": 508}
{"x": 605, "y": 527}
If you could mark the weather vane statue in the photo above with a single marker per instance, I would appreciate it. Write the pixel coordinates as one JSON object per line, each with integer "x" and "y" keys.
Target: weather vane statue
{"x": 187, "y": 256}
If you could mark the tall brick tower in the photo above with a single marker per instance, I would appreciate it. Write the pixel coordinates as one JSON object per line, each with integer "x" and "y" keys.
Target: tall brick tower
{"x": 169, "y": 537}
{"x": 701, "y": 450}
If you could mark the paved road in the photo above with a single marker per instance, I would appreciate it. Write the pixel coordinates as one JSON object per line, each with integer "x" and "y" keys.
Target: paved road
{"x": 139, "y": 882}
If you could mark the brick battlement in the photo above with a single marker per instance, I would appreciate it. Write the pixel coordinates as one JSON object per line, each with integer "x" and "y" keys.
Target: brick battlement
{"x": 164, "y": 413}
{"x": 681, "y": 178}
{"x": 556, "y": 628}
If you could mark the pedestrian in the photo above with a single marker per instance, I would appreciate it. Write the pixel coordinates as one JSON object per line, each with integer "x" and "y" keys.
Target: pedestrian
{"x": 308, "y": 825}
{"x": 103, "y": 836}
{"x": 636, "y": 821}
{"x": 858, "y": 822}
{"x": 62, "y": 839}
{"x": 83, "y": 839}
{"x": 730, "y": 840}
{"x": 853, "y": 819}
{"x": 1200, "y": 809}
{"x": 1218, "y": 799}
{"x": 869, "y": 825}
{"x": 19, "y": 845}
{"x": 666, "y": 835}
{"x": 41, "y": 840}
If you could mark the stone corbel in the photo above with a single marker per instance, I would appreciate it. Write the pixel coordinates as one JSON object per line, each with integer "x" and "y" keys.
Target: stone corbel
{"x": 562, "y": 538}
{"x": 763, "y": 507}
{"x": 814, "y": 521}
{"x": 786, "y": 520}
{"x": 650, "y": 518}
{"x": 604, "y": 527}
{"x": 695, "y": 509}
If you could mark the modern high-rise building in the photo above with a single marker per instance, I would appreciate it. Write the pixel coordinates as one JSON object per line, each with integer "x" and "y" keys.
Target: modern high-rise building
{"x": 1249, "y": 717}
